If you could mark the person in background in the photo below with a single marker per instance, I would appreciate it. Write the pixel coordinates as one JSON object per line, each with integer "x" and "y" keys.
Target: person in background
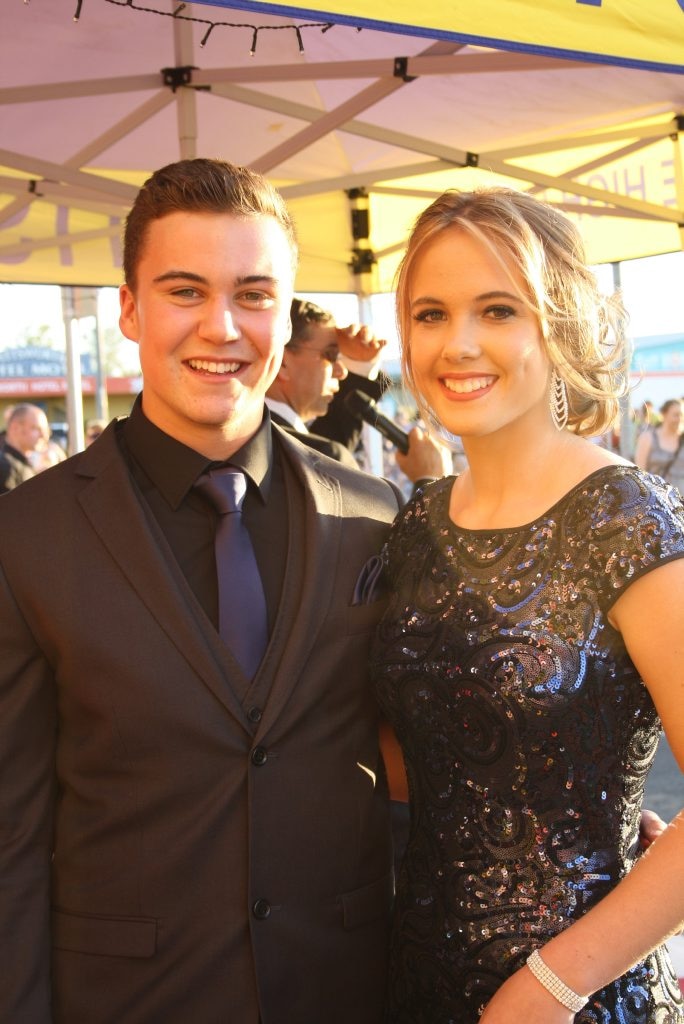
{"x": 361, "y": 353}
{"x": 651, "y": 415}
{"x": 309, "y": 377}
{"x": 6, "y": 413}
{"x": 93, "y": 429}
{"x": 659, "y": 448}
{"x": 27, "y": 428}
{"x": 531, "y": 650}
{"x": 48, "y": 453}
{"x": 308, "y": 384}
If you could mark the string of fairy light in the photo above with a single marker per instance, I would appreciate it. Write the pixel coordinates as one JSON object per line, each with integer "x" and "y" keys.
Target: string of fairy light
{"x": 211, "y": 24}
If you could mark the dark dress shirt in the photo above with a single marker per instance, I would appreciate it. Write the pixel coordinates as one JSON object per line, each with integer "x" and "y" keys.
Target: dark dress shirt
{"x": 166, "y": 470}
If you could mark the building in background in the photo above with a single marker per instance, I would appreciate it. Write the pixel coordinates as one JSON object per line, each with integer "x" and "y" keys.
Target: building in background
{"x": 658, "y": 368}
{"x": 38, "y": 374}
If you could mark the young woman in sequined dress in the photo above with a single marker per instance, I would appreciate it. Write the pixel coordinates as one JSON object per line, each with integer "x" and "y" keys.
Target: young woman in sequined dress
{"x": 532, "y": 646}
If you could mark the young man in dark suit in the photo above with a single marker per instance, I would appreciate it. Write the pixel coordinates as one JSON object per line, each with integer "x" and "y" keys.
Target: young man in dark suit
{"x": 183, "y": 840}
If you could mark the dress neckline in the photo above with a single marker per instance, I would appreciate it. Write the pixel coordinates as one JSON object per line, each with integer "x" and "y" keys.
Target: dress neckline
{"x": 610, "y": 470}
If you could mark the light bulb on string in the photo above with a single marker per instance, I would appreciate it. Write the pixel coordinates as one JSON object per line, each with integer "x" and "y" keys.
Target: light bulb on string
{"x": 323, "y": 26}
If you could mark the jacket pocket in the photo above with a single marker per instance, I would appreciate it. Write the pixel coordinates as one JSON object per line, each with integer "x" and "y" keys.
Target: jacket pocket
{"x": 363, "y": 905}
{"x": 104, "y": 936}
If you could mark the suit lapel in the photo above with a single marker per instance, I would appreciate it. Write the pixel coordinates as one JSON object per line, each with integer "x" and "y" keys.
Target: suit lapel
{"x": 116, "y": 512}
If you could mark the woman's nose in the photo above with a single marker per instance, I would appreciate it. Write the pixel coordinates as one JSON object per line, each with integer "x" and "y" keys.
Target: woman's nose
{"x": 461, "y": 341}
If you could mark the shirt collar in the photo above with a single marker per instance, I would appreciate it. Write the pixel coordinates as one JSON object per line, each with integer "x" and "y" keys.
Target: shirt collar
{"x": 173, "y": 467}
{"x": 287, "y": 413}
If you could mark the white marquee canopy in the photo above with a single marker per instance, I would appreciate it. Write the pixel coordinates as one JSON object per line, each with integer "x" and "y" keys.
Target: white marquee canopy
{"x": 341, "y": 112}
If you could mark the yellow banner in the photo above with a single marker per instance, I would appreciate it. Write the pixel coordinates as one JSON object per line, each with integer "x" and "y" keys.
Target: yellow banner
{"x": 635, "y": 33}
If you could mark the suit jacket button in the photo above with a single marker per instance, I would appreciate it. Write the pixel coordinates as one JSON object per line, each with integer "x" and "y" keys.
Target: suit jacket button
{"x": 259, "y": 756}
{"x": 261, "y": 909}
{"x": 254, "y": 715}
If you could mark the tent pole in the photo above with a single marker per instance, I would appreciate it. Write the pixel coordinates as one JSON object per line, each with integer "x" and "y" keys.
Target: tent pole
{"x": 101, "y": 396}
{"x": 626, "y": 438}
{"x": 679, "y": 170}
{"x": 362, "y": 266}
{"x": 186, "y": 100}
{"x": 74, "y": 397}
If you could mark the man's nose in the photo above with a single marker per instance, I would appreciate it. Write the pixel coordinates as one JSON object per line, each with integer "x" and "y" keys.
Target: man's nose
{"x": 218, "y": 324}
{"x": 339, "y": 370}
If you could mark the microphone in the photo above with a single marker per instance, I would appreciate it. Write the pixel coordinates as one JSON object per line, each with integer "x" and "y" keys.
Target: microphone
{"x": 364, "y": 406}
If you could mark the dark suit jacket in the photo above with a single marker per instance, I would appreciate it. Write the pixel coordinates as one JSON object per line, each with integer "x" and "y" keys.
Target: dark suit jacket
{"x": 333, "y": 449}
{"x": 197, "y": 866}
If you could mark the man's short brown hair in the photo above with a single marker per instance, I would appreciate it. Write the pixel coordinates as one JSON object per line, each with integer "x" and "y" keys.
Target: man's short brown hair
{"x": 303, "y": 315}
{"x": 200, "y": 186}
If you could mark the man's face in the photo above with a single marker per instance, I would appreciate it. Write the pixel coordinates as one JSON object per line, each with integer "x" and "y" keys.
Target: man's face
{"x": 29, "y": 432}
{"x": 312, "y": 371}
{"x": 210, "y": 314}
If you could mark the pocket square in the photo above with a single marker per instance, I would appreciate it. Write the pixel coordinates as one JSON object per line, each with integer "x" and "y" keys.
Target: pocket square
{"x": 370, "y": 584}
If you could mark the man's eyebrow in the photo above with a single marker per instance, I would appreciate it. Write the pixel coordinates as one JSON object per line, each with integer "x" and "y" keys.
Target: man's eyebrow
{"x": 257, "y": 279}
{"x": 188, "y": 275}
{"x": 175, "y": 275}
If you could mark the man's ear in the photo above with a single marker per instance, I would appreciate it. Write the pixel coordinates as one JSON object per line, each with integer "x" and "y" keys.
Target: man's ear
{"x": 128, "y": 318}
{"x": 284, "y": 373}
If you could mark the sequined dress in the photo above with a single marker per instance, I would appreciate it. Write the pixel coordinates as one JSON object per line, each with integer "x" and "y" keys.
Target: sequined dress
{"x": 527, "y": 734}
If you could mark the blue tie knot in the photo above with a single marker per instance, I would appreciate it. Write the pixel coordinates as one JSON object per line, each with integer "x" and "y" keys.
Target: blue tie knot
{"x": 225, "y": 488}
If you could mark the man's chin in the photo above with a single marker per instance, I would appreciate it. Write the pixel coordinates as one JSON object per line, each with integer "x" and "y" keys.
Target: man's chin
{"x": 323, "y": 408}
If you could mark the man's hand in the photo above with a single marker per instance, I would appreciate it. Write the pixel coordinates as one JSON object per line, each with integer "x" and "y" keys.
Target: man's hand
{"x": 425, "y": 457}
{"x": 358, "y": 342}
{"x": 651, "y": 826}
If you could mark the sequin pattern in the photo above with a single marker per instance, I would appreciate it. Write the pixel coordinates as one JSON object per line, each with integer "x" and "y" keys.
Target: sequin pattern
{"x": 527, "y": 734}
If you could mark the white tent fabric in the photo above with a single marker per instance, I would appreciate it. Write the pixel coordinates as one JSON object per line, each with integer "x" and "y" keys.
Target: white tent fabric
{"x": 89, "y": 107}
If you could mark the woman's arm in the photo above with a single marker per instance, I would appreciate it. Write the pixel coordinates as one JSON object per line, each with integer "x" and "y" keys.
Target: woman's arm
{"x": 647, "y": 906}
{"x": 394, "y": 763}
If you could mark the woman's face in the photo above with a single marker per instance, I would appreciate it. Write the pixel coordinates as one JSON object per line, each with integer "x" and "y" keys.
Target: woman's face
{"x": 475, "y": 346}
{"x": 673, "y": 415}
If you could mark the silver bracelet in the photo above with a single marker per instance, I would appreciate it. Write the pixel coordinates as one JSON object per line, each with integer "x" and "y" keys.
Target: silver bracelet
{"x": 552, "y": 983}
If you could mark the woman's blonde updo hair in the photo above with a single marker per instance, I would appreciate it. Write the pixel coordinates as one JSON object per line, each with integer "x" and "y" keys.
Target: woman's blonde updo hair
{"x": 583, "y": 331}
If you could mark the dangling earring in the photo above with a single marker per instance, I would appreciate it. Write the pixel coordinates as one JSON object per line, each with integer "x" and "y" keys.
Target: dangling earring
{"x": 558, "y": 396}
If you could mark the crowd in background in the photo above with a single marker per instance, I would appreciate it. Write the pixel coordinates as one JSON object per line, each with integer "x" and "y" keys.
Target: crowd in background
{"x": 653, "y": 443}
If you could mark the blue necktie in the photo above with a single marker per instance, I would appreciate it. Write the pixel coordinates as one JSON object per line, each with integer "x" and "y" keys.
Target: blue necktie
{"x": 243, "y": 621}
